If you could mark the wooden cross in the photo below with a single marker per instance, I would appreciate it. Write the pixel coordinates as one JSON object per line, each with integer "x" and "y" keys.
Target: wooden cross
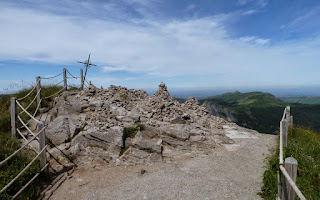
{"x": 87, "y": 65}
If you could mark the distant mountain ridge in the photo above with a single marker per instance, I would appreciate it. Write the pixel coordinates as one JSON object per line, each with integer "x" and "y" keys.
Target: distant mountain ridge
{"x": 260, "y": 111}
{"x": 301, "y": 99}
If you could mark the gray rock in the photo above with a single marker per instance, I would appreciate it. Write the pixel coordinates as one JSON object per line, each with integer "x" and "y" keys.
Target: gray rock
{"x": 178, "y": 131}
{"x": 58, "y": 131}
{"x": 143, "y": 142}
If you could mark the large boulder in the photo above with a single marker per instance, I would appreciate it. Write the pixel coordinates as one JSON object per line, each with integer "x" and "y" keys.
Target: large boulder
{"x": 61, "y": 129}
{"x": 178, "y": 131}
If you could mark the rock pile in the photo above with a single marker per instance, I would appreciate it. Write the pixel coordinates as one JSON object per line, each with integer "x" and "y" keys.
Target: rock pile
{"x": 126, "y": 126}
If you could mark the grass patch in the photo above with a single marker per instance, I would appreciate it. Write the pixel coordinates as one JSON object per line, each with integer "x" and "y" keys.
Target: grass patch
{"x": 13, "y": 167}
{"x": 303, "y": 145}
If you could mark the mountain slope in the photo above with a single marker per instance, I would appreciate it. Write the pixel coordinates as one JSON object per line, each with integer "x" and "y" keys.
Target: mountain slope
{"x": 302, "y": 99}
{"x": 260, "y": 111}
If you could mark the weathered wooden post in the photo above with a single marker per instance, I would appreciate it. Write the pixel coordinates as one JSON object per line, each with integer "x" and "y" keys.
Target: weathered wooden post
{"x": 81, "y": 76}
{"x": 279, "y": 184}
{"x": 13, "y": 116}
{"x": 42, "y": 141}
{"x": 291, "y": 120}
{"x": 291, "y": 166}
{"x": 288, "y": 113}
{"x": 38, "y": 79}
{"x": 65, "y": 79}
{"x": 283, "y": 127}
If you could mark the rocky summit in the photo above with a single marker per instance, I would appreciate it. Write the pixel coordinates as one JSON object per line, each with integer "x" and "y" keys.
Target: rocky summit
{"x": 126, "y": 126}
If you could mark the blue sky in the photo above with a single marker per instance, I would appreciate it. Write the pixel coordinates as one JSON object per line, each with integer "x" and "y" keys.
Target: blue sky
{"x": 139, "y": 43}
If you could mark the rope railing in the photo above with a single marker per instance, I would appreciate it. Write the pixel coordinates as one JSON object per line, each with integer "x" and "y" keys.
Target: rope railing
{"x": 72, "y": 75}
{"x": 22, "y": 147}
{"x": 29, "y": 182}
{"x": 289, "y": 188}
{"x": 25, "y": 126}
{"x": 32, "y": 117}
{"x": 31, "y": 102}
{"x": 15, "y": 178}
{"x": 40, "y": 135}
{"x": 51, "y": 76}
{"x": 55, "y": 93}
{"x": 29, "y": 92}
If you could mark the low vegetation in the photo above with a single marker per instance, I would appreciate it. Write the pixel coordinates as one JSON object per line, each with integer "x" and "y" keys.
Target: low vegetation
{"x": 303, "y": 145}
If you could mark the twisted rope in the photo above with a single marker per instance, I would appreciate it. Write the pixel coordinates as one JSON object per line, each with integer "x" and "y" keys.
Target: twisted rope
{"x": 26, "y": 112}
{"x": 54, "y": 93}
{"x": 51, "y": 77}
{"x": 29, "y": 92}
{"x": 15, "y": 178}
{"x": 57, "y": 84}
{"x": 31, "y": 102}
{"x": 35, "y": 112}
{"x": 35, "y": 176}
{"x": 23, "y": 146}
{"x": 72, "y": 75}
{"x": 25, "y": 125}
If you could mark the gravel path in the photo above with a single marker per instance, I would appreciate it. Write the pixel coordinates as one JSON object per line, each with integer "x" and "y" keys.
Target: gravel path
{"x": 232, "y": 172}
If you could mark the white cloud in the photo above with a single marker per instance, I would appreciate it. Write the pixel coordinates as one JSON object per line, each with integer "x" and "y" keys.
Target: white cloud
{"x": 196, "y": 47}
{"x": 254, "y": 40}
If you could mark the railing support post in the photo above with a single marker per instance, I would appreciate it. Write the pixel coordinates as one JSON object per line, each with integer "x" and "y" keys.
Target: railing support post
{"x": 291, "y": 120}
{"x": 291, "y": 166}
{"x": 284, "y": 132}
{"x": 81, "y": 76}
{"x": 65, "y": 79}
{"x": 42, "y": 141}
{"x": 13, "y": 117}
{"x": 38, "y": 79}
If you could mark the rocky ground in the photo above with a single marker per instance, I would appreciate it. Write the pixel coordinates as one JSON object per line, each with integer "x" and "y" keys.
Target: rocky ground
{"x": 120, "y": 126}
{"x": 111, "y": 134}
{"x": 233, "y": 171}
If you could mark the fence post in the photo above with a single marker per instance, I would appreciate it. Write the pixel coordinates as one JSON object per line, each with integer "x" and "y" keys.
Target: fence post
{"x": 65, "y": 79}
{"x": 284, "y": 132}
{"x": 291, "y": 166}
{"x": 38, "y": 79}
{"x": 42, "y": 141}
{"x": 291, "y": 120}
{"x": 13, "y": 116}
{"x": 81, "y": 76}
{"x": 288, "y": 113}
{"x": 279, "y": 184}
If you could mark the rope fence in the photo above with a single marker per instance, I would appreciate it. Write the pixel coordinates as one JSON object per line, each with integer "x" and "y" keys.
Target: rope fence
{"x": 40, "y": 135}
{"x": 289, "y": 166}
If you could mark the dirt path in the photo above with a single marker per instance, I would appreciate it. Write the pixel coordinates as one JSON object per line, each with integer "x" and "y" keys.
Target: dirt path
{"x": 232, "y": 172}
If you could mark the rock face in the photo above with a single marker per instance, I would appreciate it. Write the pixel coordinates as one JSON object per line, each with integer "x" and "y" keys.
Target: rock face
{"x": 126, "y": 126}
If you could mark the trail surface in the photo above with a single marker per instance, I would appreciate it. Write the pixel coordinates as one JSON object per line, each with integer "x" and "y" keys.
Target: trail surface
{"x": 234, "y": 171}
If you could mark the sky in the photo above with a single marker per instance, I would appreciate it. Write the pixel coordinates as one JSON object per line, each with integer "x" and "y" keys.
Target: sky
{"x": 139, "y": 43}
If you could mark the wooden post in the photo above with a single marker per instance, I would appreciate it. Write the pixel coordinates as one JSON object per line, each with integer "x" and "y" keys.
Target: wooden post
{"x": 288, "y": 113}
{"x": 13, "y": 117}
{"x": 65, "y": 79}
{"x": 291, "y": 166}
{"x": 81, "y": 76}
{"x": 291, "y": 120}
{"x": 42, "y": 141}
{"x": 279, "y": 184}
{"x": 284, "y": 132}
{"x": 38, "y": 90}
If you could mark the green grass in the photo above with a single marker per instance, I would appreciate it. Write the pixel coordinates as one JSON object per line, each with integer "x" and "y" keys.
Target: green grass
{"x": 7, "y": 146}
{"x": 303, "y": 145}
